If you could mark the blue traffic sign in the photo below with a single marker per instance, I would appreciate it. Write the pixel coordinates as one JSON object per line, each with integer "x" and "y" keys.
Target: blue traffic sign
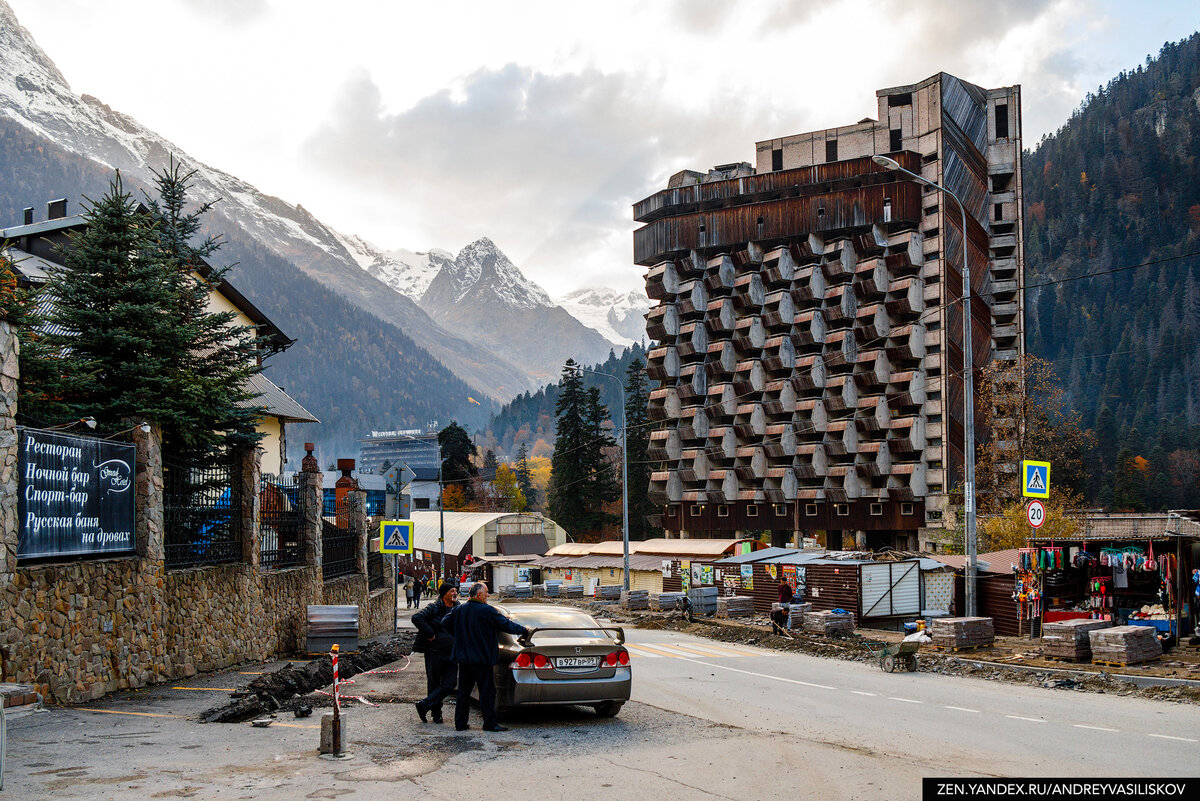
{"x": 396, "y": 536}
{"x": 1035, "y": 479}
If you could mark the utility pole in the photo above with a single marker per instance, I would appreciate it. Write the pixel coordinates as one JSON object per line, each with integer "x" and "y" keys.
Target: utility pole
{"x": 968, "y": 390}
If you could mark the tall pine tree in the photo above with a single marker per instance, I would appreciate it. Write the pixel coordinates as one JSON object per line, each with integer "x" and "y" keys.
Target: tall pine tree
{"x": 129, "y": 334}
{"x": 637, "y": 447}
{"x": 525, "y": 477}
{"x": 567, "y": 465}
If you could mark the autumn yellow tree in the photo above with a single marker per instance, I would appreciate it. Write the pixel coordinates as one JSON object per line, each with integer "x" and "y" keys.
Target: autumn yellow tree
{"x": 508, "y": 491}
{"x": 453, "y": 498}
{"x": 1023, "y": 414}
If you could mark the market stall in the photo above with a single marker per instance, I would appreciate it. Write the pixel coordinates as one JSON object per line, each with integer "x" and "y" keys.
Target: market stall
{"x": 1128, "y": 569}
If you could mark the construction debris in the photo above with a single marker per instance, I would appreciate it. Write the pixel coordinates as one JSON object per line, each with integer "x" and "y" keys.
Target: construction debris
{"x": 1125, "y": 645}
{"x": 1068, "y": 639}
{"x": 962, "y": 632}
{"x": 271, "y": 692}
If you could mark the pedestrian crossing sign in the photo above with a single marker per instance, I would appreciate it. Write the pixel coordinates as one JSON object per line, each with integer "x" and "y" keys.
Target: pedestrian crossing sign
{"x": 1035, "y": 479}
{"x": 396, "y": 536}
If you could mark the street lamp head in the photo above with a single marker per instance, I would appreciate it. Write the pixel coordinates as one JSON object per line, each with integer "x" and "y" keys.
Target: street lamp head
{"x": 886, "y": 163}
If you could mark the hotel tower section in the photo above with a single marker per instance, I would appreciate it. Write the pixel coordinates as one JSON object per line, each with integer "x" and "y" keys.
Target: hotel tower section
{"x": 806, "y": 342}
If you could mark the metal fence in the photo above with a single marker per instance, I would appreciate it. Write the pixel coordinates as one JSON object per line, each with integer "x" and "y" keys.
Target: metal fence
{"x": 202, "y": 512}
{"x": 280, "y": 522}
{"x": 379, "y": 571}
{"x": 339, "y": 542}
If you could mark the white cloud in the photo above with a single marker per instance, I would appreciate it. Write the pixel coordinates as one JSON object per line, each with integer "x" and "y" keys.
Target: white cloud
{"x": 538, "y": 123}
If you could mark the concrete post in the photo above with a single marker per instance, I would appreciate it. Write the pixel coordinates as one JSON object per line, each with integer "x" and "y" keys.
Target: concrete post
{"x": 250, "y": 460}
{"x": 148, "y": 483}
{"x": 311, "y": 486}
{"x": 860, "y": 540}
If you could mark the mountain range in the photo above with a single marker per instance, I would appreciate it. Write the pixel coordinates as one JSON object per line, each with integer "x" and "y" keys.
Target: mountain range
{"x": 471, "y": 323}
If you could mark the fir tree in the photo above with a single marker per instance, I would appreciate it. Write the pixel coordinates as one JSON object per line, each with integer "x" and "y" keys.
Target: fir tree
{"x": 600, "y": 485}
{"x": 567, "y": 471}
{"x": 457, "y": 465}
{"x": 637, "y": 447}
{"x": 525, "y": 477}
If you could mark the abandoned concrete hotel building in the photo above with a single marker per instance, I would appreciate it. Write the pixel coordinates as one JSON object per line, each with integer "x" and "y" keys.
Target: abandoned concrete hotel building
{"x": 807, "y": 337}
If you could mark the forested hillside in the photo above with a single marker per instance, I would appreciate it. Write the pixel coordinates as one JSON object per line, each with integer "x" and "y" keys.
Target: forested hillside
{"x": 529, "y": 417}
{"x": 1116, "y": 192}
{"x": 352, "y": 370}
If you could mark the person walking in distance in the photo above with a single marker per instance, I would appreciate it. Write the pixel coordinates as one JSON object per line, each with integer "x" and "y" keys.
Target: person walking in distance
{"x": 410, "y": 587}
{"x": 436, "y": 643}
{"x": 475, "y": 625}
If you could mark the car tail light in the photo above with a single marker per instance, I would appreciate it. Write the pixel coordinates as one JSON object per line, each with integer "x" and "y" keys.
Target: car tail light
{"x": 524, "y": 660}
{"x": 540, "y": 661}
{"x": 623, "y": 657}
{"x": 611, "y": 659}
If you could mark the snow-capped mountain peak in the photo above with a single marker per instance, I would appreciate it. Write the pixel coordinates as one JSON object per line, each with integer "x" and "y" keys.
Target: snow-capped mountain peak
{"x": 408, "y": 272}
{"x": 481, "y": 267}
{"x": 619, "y": 316}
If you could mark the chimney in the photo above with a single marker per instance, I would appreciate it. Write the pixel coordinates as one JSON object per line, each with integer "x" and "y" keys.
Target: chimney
{"x": 343, "y": 487}
{"x": 309, "y": 463}
{"x": 29, "y": 215}
{"x": 56, "y": 209}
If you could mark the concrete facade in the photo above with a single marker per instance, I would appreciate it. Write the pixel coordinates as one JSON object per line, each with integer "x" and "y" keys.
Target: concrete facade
{"x": 807, "y": 341}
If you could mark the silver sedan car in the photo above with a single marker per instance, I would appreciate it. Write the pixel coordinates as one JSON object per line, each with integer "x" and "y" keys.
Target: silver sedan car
{"x": 568, "y": 658}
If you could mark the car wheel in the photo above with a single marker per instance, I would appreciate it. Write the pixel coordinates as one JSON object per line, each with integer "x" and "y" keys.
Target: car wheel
{"x": 609, "y": 709}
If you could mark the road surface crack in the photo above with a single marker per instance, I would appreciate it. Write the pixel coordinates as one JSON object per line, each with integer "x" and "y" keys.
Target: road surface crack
{"x": 672, "y": 780}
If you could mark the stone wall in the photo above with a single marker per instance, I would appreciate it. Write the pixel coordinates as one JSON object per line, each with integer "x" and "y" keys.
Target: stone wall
{"x": 80, "y": 629}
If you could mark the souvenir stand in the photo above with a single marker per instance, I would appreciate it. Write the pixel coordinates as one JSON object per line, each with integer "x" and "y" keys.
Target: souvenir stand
{"x": 1144, "y": 579}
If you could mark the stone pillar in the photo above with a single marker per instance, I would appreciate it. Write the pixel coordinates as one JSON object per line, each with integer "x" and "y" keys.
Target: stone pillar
{"x": 356, "y": 516}
{"x": 151, "y": 526}
{"x": 250, "y": 461}
{"x": 311, "y": 480}
{"x": 10, "y": 374}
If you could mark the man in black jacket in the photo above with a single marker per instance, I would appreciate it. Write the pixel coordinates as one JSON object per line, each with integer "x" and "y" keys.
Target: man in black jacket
{"x": 474, "y": 626}
{"x": 436, "y": 643}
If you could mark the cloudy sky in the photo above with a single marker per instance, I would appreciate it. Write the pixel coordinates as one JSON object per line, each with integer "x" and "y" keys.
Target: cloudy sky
{"x": 429, "y": 124}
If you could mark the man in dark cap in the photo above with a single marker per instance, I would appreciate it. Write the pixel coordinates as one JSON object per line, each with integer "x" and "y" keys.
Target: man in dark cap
{"x": 436, "y": 643}
{"x": 474, "y": 626}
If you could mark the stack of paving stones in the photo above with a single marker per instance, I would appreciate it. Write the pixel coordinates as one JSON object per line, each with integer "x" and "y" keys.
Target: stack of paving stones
{"x": 829, "y": 622}
{"x": 609, "y": 592}
{"x": 1068, "y": 639}
{"x": 551, "y": 588}
{"x": 539, "y": 590}
{"x": 14, "y": 697}
{"x": 704, "y": 600}
{"x": 962, "y": 632}
{"x": 735, "y": 606}
{"x": 635, "y": 599}
{"x": 665, "y": 601}
{"x": 796, "y": 613}
{"x": 1125, "y": 645}
{"x": 573, "y": 590}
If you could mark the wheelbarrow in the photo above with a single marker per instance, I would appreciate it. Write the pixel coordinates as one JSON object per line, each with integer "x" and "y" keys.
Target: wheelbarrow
{"x": 896, "y": 656}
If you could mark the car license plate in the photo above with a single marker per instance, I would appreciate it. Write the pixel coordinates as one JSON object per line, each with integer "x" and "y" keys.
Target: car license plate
{"x": 577, "y": 661}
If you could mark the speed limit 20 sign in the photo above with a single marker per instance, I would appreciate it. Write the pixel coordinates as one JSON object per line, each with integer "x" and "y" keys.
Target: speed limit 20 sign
{"x": 1035, "y": 513}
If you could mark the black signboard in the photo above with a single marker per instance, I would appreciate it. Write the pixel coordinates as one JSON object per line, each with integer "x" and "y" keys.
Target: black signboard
{"x": 76, "y": 495}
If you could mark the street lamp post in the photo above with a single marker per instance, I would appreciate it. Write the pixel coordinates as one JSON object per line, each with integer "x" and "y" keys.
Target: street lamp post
{"x": 968, "y": 387}
{"x": 624, "y": 472}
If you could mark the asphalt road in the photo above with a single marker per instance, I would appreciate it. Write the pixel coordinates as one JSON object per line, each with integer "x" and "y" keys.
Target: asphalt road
{"x": 916, "y": 723}
{"x": 708, "y": 720}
